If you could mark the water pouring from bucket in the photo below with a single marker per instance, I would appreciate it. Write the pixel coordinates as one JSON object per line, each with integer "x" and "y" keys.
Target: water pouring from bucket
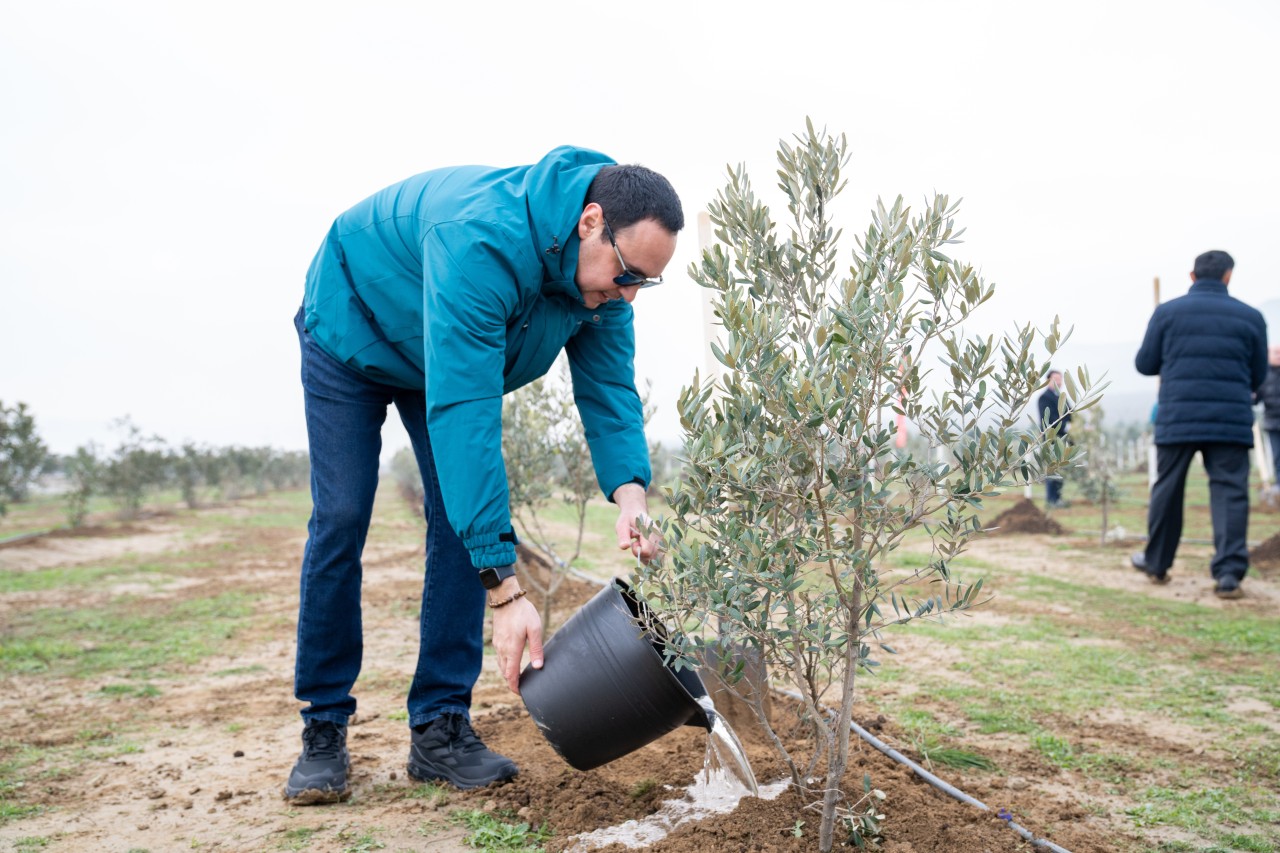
{"x": 605, "y": 689}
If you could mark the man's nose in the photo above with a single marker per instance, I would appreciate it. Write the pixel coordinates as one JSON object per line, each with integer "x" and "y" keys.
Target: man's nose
{"x": 629, "y": 293}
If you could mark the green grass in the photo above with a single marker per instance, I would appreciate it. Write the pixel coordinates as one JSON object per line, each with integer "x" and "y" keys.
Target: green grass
{"x": 1137, "y": 648}
{"x": 935, "y": 741}
{"x": 1199, "y": 630}
{"x": 126, "y": 642}
{"x": 924, "y": 723}
{"x": 48, "y": 512}
{"x": 644, "y": 786}
{"x": 37, "y": 580}
{"x": 1248, "y": 843}
{"x": 358, "y": 841}
{"x": 1061, "y": 651}
{"x": 430, "y": 791}
{"x": 1201, "y": 808}
{"x": 299, "y": 838}
{"x": 129, "y": 638}
{"x": 10, "y": 807}
{"x": 45, "y": 512}
{"x": 240, "y": 670}
{"x": 95, "y": 578}
{"x": 961, "y": 759}
{"x": 489, "y": 833}
{"x": 130, "y": 691}
{"x": 25, "y": 764}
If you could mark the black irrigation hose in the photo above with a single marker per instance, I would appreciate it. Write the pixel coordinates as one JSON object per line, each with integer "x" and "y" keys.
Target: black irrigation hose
{"x": 933, "y": 780}
{"x": 945, "y": 787}
{"x": 23, "y": 537}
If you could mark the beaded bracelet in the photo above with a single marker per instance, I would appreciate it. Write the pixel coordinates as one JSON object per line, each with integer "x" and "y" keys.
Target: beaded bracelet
{"x": 520, "y": 593}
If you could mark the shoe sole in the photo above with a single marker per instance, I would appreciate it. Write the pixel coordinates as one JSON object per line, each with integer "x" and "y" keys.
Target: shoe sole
{"x": 1229, "y": 594}
{"x": 317, "y": 796}
{"x": 421, "y": 774}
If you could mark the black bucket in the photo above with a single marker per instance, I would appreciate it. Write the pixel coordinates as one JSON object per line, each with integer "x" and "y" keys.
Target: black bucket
{"x": 603, "y": 690}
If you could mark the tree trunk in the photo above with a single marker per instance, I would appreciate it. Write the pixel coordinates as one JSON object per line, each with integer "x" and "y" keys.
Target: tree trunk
{"x": 839, "y": 758}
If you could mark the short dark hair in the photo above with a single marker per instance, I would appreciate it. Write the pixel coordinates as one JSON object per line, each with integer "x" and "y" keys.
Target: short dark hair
{"x": 629, "y": 194}
{"x": 1213, "y": 264}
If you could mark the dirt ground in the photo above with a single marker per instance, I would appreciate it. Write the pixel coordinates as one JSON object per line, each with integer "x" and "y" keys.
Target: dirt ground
{"x": 213, "y": 748}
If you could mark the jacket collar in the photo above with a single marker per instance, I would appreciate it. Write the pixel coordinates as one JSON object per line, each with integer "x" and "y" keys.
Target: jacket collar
{"x": 1207, "y": 285}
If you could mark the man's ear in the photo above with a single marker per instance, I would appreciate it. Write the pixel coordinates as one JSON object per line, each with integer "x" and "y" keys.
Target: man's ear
{"x": 590, "y": 220}
{"x": 1226, "y": 276}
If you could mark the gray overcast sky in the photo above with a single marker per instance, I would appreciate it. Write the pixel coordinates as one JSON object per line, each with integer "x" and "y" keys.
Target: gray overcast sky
{"x": 168, "y": 169}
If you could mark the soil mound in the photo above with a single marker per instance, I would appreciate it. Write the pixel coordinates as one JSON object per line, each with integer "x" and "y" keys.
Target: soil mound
{"x": 1266, "y": 555}
{"x": 1025, "y": 517}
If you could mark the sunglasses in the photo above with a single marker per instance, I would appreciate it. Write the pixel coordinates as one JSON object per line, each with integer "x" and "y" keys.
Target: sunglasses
{"x": 628, "y": 278}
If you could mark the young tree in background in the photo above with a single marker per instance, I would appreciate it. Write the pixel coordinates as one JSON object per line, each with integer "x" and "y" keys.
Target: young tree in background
{"x": 22, "y": 454}
{"x": 138, "y": 467}
{"x": 536, "y": 420}
{"x": 187, "y": 466}
{"x": 1095, "y": 470}
{"x": 84, "y": 479}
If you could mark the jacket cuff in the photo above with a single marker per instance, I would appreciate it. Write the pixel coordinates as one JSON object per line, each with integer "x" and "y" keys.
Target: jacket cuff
{"x": 637, "y": 480}
{"x": 490, "y": 550}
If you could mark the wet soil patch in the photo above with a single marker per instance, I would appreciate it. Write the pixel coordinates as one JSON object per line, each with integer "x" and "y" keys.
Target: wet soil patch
{"x": 918, "y": 816}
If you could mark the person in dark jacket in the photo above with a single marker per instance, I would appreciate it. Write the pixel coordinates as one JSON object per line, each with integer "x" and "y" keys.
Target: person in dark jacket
{"x": 1210, "y": 352}
{"x": 1052, "y": 412}
{"x": 1269, "y": 397}
{"x": 438, "y": 295}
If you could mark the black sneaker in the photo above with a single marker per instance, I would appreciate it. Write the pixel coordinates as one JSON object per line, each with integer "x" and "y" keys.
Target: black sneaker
{"x": 320, "y": 776}
{"x": 1228, "y": 588}
{"x": 447, "y": 749}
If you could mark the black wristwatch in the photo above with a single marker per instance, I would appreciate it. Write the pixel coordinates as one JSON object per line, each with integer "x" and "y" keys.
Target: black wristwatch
{"x": 491, "y": 576}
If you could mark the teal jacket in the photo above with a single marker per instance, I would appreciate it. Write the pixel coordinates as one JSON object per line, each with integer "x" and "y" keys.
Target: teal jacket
{"x": 469, "y": 274}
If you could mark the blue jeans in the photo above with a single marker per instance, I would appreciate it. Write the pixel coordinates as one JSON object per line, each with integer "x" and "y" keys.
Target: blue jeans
{"x": 345, "y": 412}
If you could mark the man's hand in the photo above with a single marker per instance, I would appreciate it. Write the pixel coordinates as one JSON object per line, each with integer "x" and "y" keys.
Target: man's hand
{"x": 515, "y": 625}
{"x": 635, "y": 528}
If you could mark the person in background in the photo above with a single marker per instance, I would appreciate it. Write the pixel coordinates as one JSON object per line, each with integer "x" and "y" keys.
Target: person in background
{"x": 1053, "y": 412}
{"x": 1210, "y": 351}
{"x": 439, "y": 295}
{"x": 1269, "y": 397}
